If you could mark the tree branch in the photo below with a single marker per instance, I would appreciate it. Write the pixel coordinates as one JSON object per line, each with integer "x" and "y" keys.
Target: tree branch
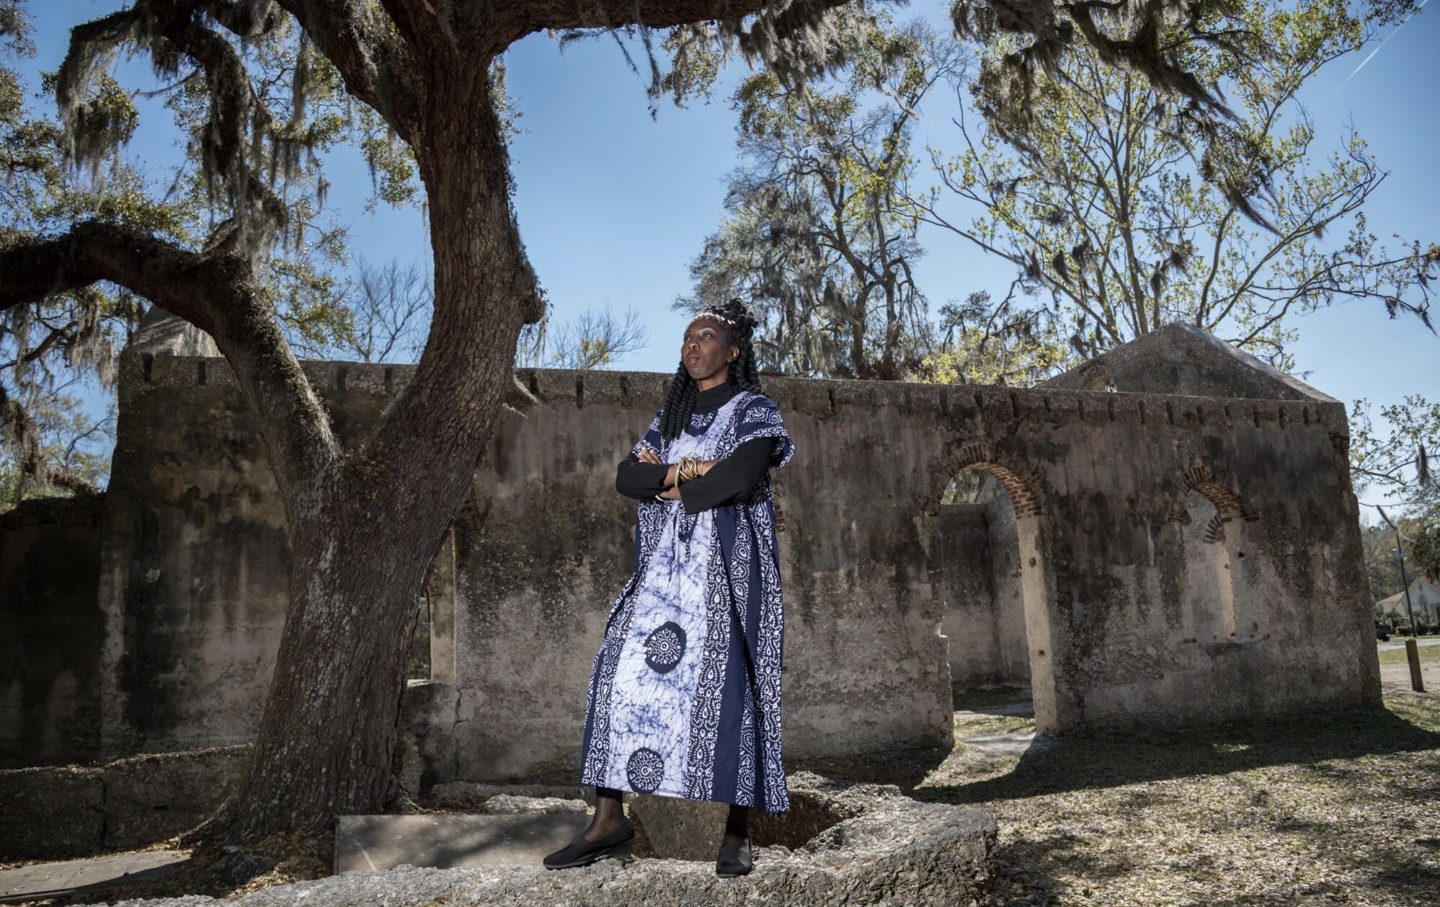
{"x": 378, "y": 67}
{"x": 22, "y": 429}
{"x": 217, "y": 293}
{"x": 502, "y": 24}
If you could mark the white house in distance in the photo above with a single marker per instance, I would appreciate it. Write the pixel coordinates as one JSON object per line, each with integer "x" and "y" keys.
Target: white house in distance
{"x": 1424, "y": 598}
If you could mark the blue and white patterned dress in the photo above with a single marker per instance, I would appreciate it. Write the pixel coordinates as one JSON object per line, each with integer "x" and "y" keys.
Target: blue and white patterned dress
{"x": 685, "y": 695}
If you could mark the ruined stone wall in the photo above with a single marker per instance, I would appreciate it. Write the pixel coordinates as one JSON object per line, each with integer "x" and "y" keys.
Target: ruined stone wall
{"x": 194, "y": 565}
{"x": 1147, "y": 558}
{"x": 966, "y": 584}
{"x": 1179, "y": 359}
{"x": 1007, "y": 574}
{"x": 197, "y": 563}
{"x": 71, "y": 810}
{"x": 1273, "y": 619}
{"x": 50, "y": 629}
{"x": 1123, "y": 626}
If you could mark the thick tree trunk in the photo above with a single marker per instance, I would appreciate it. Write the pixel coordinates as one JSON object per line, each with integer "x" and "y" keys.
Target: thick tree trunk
{"x": 364, "y": 535}
{"x": 329, "y": 728}
{"x": 363, "y": 524}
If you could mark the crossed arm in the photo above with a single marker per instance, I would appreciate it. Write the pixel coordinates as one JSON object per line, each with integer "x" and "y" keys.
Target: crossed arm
{"x": 643, "y": 477}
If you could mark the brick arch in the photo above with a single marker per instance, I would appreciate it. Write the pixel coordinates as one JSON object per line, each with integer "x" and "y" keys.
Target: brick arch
{"x": 1214, "y": 528}
{"x": 1228, "y": 503}
{"x": 1232, "y": 610}
{"x": 1020, "y": 485}
{"x": 1100, "y": 381}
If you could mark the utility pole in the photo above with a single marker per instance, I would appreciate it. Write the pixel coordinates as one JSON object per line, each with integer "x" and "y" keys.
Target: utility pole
{"x": 1412, "y": 648}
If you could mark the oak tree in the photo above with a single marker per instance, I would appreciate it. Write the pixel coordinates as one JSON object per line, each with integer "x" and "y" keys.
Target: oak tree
{"x": 1121, "y": 221}
{"x": 819, "y": 234}
{"x": 364, "y": 521}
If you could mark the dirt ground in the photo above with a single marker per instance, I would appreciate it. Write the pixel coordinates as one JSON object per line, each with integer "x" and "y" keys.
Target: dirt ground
{"x": 1340, "y": 809}
{"x": 1395, "y": 669}
{"x": 1399, "y": 675}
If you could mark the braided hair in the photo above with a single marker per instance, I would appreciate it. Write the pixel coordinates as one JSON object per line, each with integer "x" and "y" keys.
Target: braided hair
{"x": 738, "y": 325}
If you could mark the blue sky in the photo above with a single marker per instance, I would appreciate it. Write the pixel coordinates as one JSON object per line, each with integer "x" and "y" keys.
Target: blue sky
{"x": 613, "y": 204}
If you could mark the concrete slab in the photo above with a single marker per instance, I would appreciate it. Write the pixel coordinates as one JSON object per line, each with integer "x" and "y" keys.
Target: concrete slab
{"x": 39, "y": 880}
{"x": 369, "y": 843}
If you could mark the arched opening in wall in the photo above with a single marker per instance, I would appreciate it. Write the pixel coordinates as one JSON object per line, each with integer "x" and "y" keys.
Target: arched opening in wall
{"x": 436, "y": 628}
{"x": 1212, "y": 611}
{"x": 417, "y": 662}
{"x": 990, "y": 586}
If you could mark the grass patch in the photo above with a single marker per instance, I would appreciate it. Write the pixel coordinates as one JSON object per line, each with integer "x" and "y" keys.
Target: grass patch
{"x": 1398, "y": 657}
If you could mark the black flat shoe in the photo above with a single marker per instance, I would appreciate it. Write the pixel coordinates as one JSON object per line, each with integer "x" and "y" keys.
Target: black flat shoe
{"x": 735, "y": 861}
{"x": 581, "y": 852}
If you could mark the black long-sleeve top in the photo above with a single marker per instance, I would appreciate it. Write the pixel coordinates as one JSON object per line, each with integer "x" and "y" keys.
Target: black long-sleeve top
{"x": 734, "y": 475}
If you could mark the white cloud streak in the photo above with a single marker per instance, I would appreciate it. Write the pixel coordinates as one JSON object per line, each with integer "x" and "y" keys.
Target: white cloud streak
{"x": 1379, "y": 47}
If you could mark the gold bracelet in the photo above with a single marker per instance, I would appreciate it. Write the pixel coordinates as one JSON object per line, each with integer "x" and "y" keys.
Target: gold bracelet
{"x": 687, "y": 469}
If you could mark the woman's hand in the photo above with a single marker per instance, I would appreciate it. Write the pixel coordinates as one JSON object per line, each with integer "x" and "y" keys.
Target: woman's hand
{"x": 649, "y": 456}
{"x": 646, "y": 455}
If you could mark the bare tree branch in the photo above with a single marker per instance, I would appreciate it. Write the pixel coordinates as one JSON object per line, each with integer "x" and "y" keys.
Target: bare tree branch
{"x": 391, "y": 307}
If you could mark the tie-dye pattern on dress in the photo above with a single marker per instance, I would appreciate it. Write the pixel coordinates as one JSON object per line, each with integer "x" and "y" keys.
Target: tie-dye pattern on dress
{"x": 684, "y": 697}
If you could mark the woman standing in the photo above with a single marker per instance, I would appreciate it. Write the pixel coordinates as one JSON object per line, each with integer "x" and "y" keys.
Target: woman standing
{"x": 685, "y": 694}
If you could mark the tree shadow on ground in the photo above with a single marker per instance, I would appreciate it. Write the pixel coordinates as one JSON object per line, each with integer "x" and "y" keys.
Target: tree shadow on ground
{"x": 1067, "y": 763}
{"x": 1071, "y": 762}
{"x": 1046, "y": 865}
{"x": 87, "y": 894}
{"x": 1028, "y": 872}
{"x": 1379, "y": 872}
{"x": 1039, "y": 869}
{"x": 905, "y": 767}
{"x": 207, "y": 872}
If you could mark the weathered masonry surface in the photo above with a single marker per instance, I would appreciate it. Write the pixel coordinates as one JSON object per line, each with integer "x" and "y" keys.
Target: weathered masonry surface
{"x": 1176, "y": 557}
